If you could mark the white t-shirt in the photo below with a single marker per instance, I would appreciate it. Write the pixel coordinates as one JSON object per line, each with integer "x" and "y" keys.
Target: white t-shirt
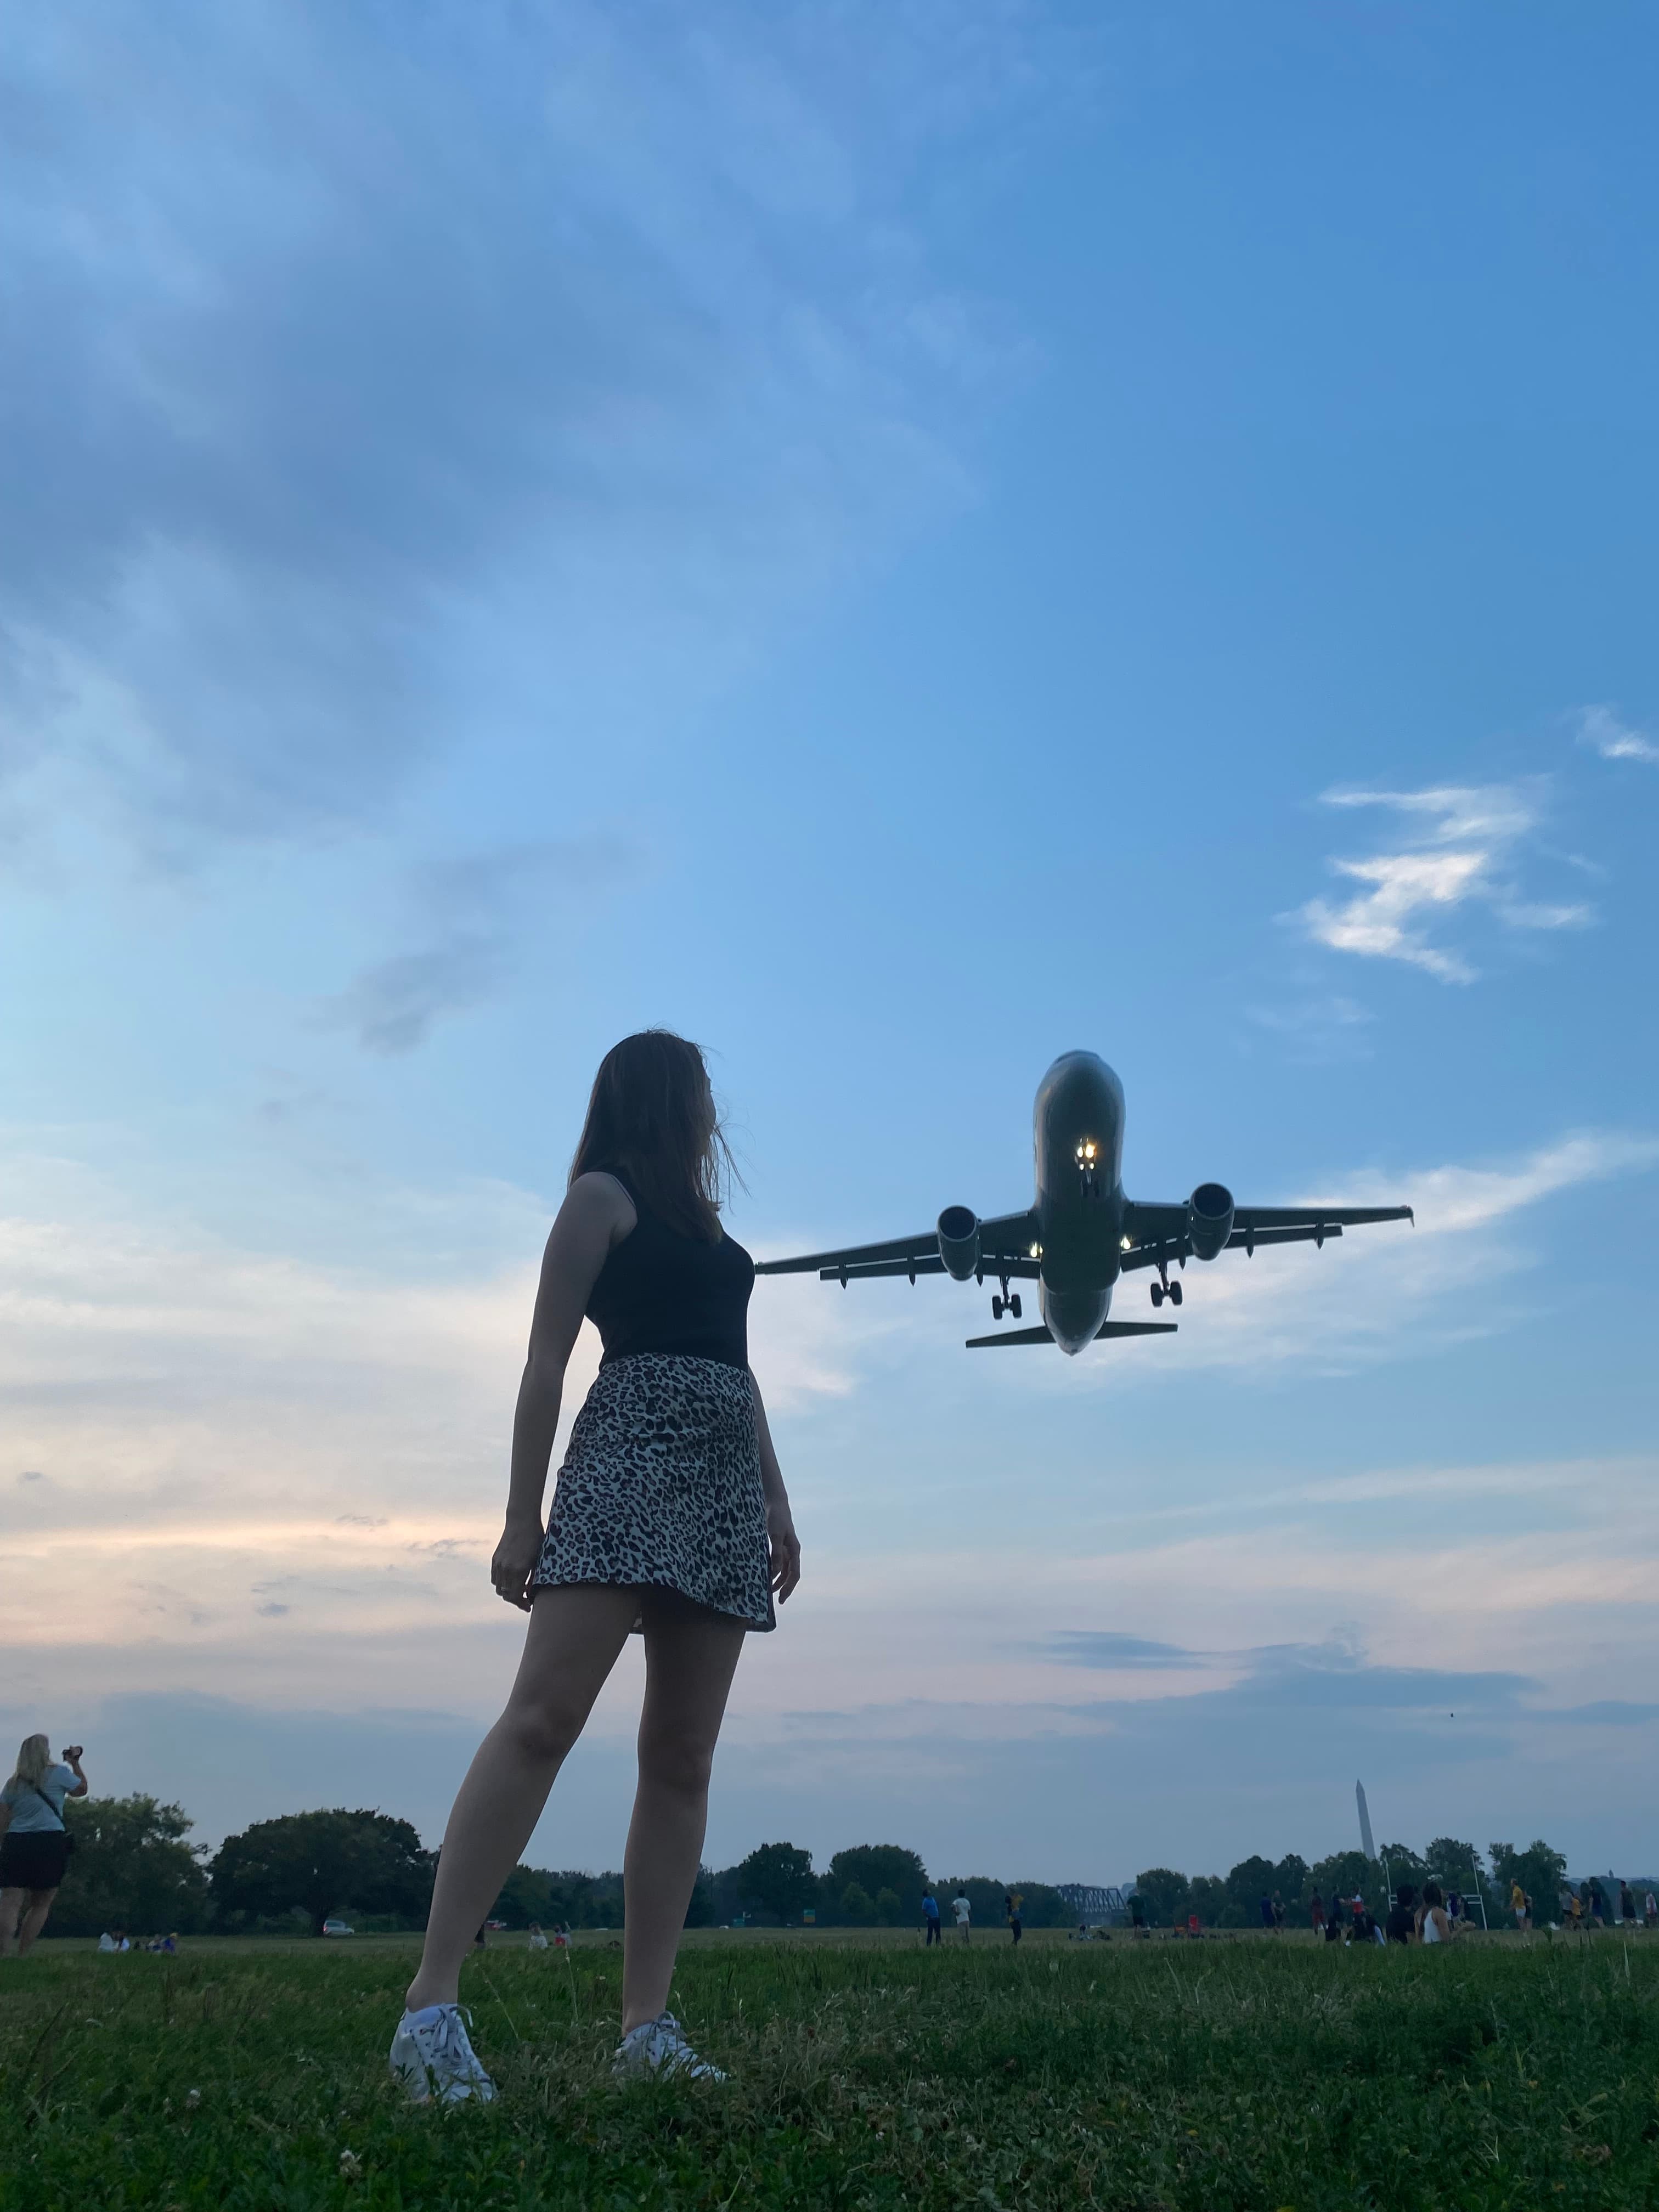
{"x": 538, "y": 1940}
{"x": 962, "y": 1908}
{"x": 38, "y": 1811}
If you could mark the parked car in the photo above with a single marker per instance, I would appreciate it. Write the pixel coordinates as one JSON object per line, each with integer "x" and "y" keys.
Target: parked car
{"x": 337, "y": 1927}
{"x": 495, "y": 1926}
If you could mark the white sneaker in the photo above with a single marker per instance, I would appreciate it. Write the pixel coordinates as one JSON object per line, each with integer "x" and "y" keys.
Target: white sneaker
{"x": 431, "y": 2052}
{"x": 658, "y": 2046}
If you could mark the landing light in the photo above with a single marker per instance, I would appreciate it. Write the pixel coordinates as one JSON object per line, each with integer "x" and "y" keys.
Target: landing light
{"x": 1126, "y": 1243}
{"x": 1037, "y": 1251}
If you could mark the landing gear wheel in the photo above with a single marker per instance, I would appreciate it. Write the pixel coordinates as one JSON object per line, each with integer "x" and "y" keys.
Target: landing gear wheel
{"x": 1013, "y": 1305}
{"x": 1175, "y": 1294}
{"x": 996, "y": 1306}
{"x": 1158, "y": 1294}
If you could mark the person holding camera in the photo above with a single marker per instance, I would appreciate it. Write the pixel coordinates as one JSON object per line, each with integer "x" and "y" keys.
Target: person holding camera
{"x": 35, "y": 1842}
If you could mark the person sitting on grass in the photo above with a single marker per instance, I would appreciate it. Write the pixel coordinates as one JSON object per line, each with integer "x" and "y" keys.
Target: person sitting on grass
{"x": 1401, "y": 1926}
{"x": 1432, "y": 1925}
{"x": 537, "y": 1941}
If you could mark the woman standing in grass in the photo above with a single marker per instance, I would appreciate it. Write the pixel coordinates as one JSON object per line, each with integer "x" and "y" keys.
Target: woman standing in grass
{"x": 34, "y": 1840}
{"x": 669, "y": 1516}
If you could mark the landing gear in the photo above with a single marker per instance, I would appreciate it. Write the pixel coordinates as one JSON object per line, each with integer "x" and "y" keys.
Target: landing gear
{"x": 1175, "y": 1294}
{"x": 1157, "y": 1293}
{"x": 1004, "y": 1305}
{"x": 1165, "y": 1289}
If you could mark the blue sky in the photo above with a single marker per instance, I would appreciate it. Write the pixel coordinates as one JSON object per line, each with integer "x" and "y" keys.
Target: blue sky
{"x": 899, "y": 541}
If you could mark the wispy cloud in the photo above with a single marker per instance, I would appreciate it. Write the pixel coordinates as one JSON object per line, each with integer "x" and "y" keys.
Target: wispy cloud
{"x": 472, "y": 911}
{"x": 1459, "y": 844}
{"x": 1602, "y": 730}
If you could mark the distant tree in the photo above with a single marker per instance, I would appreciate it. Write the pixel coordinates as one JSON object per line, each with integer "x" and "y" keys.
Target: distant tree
{"x": 701, "y": 1912}
{"x": 131, "y": 1867}
{"x": 1043, "y": 1906}
{"x": 1208, "y": 1899}
{"x": 1344, "y": 1874}
{"x": 778, "y": 1878}
{"x": 1248, "y": 1883}
{"x": 1291, "y": 1880}
{"x": 888, "y": 1907}
{"x": 856, "y": 1905}
{"x": 1165, "y": 1894}
{"x": 1405, "y": 1865}
{"x": 1456, "y": 1864}
{"x": 1540, "y": 1872}
{"x": 876, "y": 1867}
{"x": 323, "y": 1862}
{"x": 984, "y": 1897}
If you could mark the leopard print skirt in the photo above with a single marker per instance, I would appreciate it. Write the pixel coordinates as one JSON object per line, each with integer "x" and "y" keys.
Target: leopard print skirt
{"x": 660, "y": 1488}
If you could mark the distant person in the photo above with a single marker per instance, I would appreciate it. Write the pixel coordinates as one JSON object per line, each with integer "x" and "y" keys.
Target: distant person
{"x": 1650, "y": 1912}
{"x": 1266, "y": 1908}
{"x": 1598, "y": 1905}
{"x": 1278, "y": 1914}
{"x": 1518, "y": 1905}
{"x": 35, "y": 1842}
{"x": 1195, "y": 1926}
{"x": 1318, "y": 1911}
{"x": 1137, "y": 1914}
{"x": 107, "y": 1942}
{"x": 562, "y": 1937}
{"x": 932, "y": 1932}
{"x": 537, "y": 1941}
{"x": 963, "y": 1911}
{"x": 1432, "y": 1925}
{"x": 1627, "y": 1902}
{"x": 1401, "y": 1926}
{"x": 669, "y": 1516}
{"x": 1011, "y": 1902}
{"x": 1454, "y": 1906}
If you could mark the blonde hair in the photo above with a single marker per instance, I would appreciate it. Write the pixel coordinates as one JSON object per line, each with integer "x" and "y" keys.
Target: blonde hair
{"x": 33, "y": 1758}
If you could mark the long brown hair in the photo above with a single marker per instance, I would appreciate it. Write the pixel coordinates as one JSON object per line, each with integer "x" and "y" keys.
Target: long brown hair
{"x": 653, "y": 1114}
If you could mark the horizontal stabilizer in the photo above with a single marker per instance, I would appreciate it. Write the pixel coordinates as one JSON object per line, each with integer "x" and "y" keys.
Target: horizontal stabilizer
{"x": 1046, "y": 1335}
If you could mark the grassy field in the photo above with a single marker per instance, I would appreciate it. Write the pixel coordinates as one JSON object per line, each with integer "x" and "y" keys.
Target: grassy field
{"x": 864, "y": 2073}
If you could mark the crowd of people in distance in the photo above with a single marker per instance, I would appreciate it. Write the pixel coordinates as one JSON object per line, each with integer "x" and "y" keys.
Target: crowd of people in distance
{"x": 117, "y": 1939}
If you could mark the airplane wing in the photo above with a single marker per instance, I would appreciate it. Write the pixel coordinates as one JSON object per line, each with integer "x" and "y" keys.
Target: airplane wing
{"x": 1005, "y": 1246}
{"x": 1152, "y": 1226}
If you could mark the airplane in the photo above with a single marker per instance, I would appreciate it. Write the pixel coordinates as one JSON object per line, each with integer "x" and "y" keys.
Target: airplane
{"x": 1082, "y": 1230}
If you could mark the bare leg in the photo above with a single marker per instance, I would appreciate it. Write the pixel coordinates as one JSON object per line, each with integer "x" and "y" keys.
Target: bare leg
{"x": 34, "y": 1920}
{"x": 690, "y": 1656}
{"x": 575, "y": 1635}
{"x": 12, "y": 1903}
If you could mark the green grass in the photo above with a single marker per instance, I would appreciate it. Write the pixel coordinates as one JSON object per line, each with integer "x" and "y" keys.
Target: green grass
{"x": 864, "y": 2073}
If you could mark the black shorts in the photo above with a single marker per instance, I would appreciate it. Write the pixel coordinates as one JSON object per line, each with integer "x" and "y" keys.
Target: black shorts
{"x": 33, "y": 1861}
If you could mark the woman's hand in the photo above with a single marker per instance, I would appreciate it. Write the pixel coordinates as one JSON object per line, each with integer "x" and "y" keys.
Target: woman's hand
{"x": 786, "y": 1546}
{"x": 515, "y": 1561}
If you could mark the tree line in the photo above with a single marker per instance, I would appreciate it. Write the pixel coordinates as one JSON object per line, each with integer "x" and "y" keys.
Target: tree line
{"x": 1234, "y": 1899}
{"x": 134, "y": 1866}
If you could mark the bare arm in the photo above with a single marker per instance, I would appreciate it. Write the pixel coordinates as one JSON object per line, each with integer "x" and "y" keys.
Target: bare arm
{"x": 597, "y": 1214}
{"x": 780, "y": 1521}
{"x": 72, "y": 1760}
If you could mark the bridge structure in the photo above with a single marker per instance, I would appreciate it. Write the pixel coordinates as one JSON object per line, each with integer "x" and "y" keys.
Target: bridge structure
{"x": 1096, "y": 1906}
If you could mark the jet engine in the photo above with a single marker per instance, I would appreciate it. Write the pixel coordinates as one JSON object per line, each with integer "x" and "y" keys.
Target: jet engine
{"x": 1210, "y": 1210}
{"x": 958, "y": 1240}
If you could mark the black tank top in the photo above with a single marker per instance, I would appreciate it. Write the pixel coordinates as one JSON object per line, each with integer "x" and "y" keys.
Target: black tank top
{"x": 662, "y": 1292}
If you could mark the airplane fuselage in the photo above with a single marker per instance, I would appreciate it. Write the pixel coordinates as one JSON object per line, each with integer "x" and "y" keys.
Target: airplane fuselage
{"x": 1078, "y": 1134}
